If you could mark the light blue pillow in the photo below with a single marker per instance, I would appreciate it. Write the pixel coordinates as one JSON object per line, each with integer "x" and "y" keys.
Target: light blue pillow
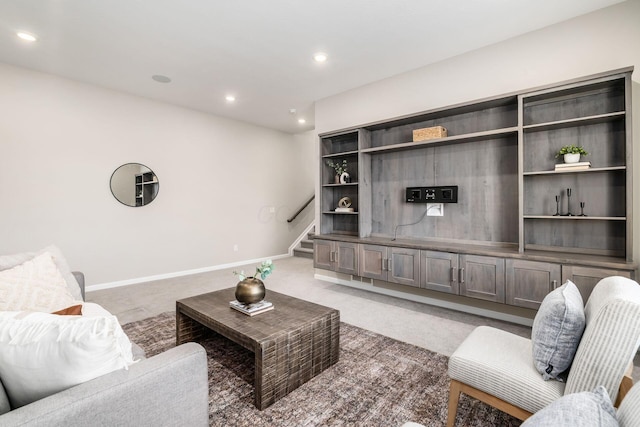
{"x": 585, "y": 409}
{"x": 557, "y": 330}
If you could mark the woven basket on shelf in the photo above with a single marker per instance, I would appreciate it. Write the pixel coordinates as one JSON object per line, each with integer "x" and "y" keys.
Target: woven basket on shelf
{"x": 429, "y": 133}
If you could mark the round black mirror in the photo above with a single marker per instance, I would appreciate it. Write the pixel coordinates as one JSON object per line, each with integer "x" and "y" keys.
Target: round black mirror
{"x": 134, "y": 184}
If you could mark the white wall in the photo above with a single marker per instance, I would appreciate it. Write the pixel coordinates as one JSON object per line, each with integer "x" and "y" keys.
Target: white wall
{"x": 601, "y": 41}
{"x": 61, "y": 140}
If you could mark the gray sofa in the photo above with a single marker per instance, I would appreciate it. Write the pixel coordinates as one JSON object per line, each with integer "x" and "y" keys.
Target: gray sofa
{"x": 169, "y": 389}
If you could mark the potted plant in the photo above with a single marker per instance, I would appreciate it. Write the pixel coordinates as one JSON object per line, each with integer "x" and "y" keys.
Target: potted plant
{"x": 341, "y": 170}
{"x": 571, "y": 153}
{"x": 251, "y": 290}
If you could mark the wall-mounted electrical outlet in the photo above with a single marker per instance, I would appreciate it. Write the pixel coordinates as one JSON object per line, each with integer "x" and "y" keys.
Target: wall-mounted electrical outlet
{"x": 432, "y": 194}
{"x": 435, "y": 209}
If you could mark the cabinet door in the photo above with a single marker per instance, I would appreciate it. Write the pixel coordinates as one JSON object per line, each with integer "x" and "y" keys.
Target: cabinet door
{"x": 586, "y": 278}
{"x": 482, "y": 277}
{"x": 404, "y": 266}
{"x": 373, "y": 262}
{"x": 323, "y": 254}
{"x": 528, "y": 282}
{"x": 439, "y": 271}
{"x": 346, "y": 258}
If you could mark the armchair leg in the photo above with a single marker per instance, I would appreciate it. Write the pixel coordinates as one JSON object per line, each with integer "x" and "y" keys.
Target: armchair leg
{"x": 457, "y": 387}
{"x": 454, "y": 395}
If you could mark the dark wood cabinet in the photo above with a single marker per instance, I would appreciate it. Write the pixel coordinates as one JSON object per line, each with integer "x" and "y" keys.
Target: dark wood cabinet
{"x": 528, "y": 282}
{"x": 586, "y": 278}
{"x": 341, "y": 257}
{"x": 404, "y": 266}
{"x": 482, "y": 277}
{"x": 439, "y": 271}
{"x": 391, "y": 264}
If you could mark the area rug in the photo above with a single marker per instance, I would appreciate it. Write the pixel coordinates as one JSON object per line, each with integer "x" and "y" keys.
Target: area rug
{"x": 378, "y": 381}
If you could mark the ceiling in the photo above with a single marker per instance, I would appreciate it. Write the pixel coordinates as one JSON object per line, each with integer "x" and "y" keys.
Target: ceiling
{"x": 260, "y": 51}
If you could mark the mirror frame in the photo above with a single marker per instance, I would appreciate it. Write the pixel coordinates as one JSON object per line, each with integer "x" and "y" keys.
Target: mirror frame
{"x": 142, "y": 181}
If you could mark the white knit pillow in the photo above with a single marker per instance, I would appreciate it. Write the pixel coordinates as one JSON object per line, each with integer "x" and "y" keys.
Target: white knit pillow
{"x": 35, "y": 285}
{"x": 42, "y": 354}
{"x": 11, "y": 260}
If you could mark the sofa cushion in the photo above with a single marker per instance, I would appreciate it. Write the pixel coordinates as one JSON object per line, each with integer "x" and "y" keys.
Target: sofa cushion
{"x": 42, "y": 353}
{"x": 557, "y": 329}
{"x": 10, "y": 261}
{"x": 5, "y": 406}
{"x": 35, "y": 285}
{"x": 585, "y": 409}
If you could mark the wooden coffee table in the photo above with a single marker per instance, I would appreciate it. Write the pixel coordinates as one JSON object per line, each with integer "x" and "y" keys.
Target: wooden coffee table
{"x": 292, "y": 343}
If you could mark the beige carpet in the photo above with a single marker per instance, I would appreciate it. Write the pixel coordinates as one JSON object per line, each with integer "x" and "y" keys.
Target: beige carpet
{"x": 377, "y": 382}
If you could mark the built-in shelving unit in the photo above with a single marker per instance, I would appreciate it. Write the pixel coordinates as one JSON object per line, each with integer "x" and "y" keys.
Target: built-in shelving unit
{"x": 594, "y": 114}
{"x": 337, "y": 149}
{"x": 503, "y": 232}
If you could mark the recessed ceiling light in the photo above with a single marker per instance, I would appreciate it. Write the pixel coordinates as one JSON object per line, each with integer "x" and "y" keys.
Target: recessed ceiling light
{"x": 230, "y": 98}
{"x": 26, "y": 36}
{"x": 161, "y": 79}
{"x": 320, "y": 57}
{"x": 302, "y": 121}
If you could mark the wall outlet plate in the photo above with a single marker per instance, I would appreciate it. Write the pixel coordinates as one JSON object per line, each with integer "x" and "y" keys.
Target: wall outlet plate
{"x": 435, "y": 209}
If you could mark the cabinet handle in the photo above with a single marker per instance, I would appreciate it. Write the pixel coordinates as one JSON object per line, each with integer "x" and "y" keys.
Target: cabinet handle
{"x": 555, "y": 284}
{"x": 454, "y": 276}
{"x": 462, "y": 275}
{"x": 384, "y": 264}
{"x": 332, "y": 256}
{"x": 390, "y": 264}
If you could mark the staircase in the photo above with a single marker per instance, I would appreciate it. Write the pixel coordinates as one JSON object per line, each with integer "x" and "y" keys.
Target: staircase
{"x": 305, "y": 248}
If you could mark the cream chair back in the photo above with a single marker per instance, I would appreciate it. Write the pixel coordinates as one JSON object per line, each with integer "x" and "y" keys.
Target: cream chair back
{"x": 611, "y": 336}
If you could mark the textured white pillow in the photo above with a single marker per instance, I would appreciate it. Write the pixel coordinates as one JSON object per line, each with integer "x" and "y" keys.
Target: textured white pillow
{"x": 10, "y": 261}
{"x": 42, "y": 354}
{"x": 35, "y": 285}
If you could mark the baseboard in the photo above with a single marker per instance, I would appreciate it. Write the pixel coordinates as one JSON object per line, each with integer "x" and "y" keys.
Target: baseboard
{"x": 525, "y": 321}
{"x": 137, "y": 280}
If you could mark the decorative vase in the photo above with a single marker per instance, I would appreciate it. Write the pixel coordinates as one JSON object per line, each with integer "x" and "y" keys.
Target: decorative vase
{"x": 250, "y": 290}
{"x": 345, "y": 178}
{"x": 336, "y": 179}
{"x": 572, "y": 158}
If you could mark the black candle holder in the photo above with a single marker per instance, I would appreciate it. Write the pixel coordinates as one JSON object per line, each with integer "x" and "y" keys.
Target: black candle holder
{"x": 582, "y": 209}
{"x": 557, "y": 206}
{"x": 568, "y": 203}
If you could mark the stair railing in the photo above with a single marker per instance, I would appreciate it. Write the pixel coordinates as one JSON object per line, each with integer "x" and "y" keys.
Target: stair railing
{"x": 301, "y": 209}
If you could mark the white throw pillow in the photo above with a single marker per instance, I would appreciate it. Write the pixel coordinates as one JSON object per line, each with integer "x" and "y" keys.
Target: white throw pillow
{"x": 35, "y": 285}
{"x": 10, "y": 261}
{"x": 42, "y": 354}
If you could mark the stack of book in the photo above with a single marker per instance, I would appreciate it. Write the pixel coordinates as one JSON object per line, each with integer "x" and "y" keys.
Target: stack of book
{"x": 573, "y": 166}
{"x": 251, "y": 309}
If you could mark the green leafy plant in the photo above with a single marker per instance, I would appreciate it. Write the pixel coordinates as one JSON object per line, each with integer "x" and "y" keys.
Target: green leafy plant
{"x": 571, "y": 149}
{"x": 262, "y": 270}
{"x": 340, "y": 168}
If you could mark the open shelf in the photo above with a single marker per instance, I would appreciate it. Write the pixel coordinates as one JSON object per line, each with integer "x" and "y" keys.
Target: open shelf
{"x": 590, "y": 170}
{"x": 576, "y": 217}
{"x": 559, "y": 124}
{"x": 456, "y": 139}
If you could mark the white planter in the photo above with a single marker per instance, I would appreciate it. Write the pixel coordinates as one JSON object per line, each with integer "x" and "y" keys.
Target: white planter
{"x": 572, "y": 158}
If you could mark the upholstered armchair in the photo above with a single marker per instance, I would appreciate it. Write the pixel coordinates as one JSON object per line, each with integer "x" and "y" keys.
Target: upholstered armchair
{"x": 497, "y": 367}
